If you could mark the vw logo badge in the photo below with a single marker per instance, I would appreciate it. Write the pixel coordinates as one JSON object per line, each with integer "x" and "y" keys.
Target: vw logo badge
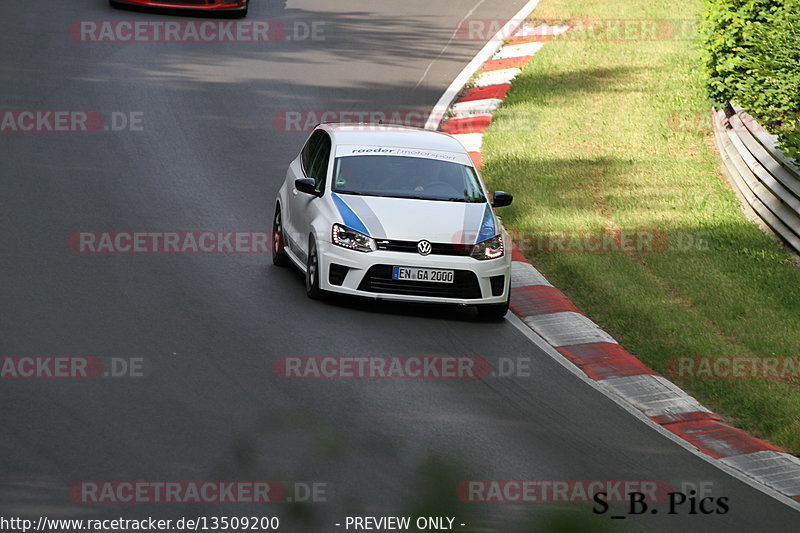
{"x": 424, "y": 247}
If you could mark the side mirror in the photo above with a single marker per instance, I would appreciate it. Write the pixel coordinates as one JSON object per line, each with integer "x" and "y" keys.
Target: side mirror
{"x": 307, "y": 186}
{"x": 501, "y": 199}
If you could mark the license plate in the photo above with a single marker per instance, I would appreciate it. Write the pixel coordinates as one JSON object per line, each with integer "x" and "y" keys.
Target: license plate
{"x": 423, "y": 274}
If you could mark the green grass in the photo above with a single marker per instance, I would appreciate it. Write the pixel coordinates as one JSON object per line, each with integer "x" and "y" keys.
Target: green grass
{"x": 585, "y": 141}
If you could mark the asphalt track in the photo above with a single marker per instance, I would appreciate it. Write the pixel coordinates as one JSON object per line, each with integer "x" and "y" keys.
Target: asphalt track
{"x": 210, "y": 326}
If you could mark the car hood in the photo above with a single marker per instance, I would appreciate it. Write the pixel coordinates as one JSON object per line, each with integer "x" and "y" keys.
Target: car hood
{"x": 406, "y": 219}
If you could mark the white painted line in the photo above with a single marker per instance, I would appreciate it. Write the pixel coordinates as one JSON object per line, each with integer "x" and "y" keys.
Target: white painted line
{"x": 567, "y": 328}
{"x": 653, "y": 395}
{"x": 475, "y": 107}
{"x": 470, "y": 141}
{"x": 780, "y": 471}
{"x": 438, "y": 111}
{"x": 496, "y": 77}
{"x": 621, "y": 402}
{"x": 518, "y": 50}
{"x": 524, "y": 274}
{"x": 447, "y": 44}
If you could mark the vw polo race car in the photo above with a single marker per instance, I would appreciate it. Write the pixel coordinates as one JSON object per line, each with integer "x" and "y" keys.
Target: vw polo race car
{"x": 237, "y": 7}
{"x": 393, "y": 213}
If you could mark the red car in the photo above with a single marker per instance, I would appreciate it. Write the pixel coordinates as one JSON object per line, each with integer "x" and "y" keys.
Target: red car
{"x": 238, "y": 7}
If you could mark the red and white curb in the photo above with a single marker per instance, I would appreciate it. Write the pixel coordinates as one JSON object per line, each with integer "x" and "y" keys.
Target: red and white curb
{"x": 471, "y": 112}
{"x": 553, "y": 317}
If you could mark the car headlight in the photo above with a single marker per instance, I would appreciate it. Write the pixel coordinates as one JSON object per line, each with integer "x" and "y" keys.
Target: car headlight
{"x": 352, "y": 239}
{"x": 489, "y": 249}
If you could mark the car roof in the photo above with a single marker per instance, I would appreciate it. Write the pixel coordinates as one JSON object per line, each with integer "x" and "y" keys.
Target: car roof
{"x": 369, "y": 134}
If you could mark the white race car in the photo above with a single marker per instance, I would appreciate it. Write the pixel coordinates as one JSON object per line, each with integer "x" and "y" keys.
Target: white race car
{"x": 392, "y": 213}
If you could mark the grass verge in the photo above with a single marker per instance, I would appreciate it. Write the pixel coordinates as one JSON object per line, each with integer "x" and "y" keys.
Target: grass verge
{"x": 587, "y": 141}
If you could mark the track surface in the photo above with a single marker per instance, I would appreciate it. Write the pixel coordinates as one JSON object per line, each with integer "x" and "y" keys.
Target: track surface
{"x": 210, "y": 326}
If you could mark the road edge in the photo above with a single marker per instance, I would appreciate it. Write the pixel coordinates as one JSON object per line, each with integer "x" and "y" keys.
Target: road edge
{"x": 550, "y": 320}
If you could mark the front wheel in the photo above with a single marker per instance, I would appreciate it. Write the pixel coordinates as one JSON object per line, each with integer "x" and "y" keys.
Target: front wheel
{"x": 279, "y": 257}
{"x": 312, "y": 271}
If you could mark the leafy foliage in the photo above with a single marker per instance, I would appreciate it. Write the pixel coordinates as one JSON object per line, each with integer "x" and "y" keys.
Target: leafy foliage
{"x": 752, "y": 54}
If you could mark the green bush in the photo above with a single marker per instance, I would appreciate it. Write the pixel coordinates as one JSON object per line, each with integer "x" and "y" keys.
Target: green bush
{"x": 752, "y": 54}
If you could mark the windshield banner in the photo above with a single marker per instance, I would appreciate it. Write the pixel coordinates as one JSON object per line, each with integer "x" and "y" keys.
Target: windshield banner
{"x": 350, "y": 150}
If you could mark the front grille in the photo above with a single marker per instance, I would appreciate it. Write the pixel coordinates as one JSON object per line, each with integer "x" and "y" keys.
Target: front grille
{"x": 438, "y": 248}
{"x": 379, "y": 279}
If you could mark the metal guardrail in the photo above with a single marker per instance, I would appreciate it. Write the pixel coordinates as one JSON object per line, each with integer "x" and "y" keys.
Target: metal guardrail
{"x": 766, "y": 179}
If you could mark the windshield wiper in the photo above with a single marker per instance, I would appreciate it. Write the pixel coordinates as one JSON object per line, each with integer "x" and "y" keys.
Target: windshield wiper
{"x": 355, "y": 193}
{"x": 415, "y": 197}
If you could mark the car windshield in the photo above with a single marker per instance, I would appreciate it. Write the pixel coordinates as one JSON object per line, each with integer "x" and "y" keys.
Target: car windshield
{"x": 406, "y": 177}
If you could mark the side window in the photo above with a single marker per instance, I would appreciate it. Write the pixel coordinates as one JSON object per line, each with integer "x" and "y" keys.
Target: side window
{"x": 307, "y": 155}
{"x": 319, "y": 163}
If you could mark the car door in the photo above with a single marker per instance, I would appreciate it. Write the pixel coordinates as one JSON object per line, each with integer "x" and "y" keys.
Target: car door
{"x": 299, "y": 168}
{"x": 314, "y": 161}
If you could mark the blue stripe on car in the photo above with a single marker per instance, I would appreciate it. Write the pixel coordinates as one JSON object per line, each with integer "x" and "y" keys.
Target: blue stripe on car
{"x": 367, "y": 216}
{"x": 349, "y": 216}
{"x": 488, "y": 229}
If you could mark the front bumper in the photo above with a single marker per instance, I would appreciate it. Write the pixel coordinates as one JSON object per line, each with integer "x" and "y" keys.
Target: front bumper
{"x": 208, "y": 5}
{"x": 367, "y": 275}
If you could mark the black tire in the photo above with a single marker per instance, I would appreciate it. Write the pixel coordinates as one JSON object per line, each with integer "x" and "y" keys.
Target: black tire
{"x": 493, "y": 312}
{"x": 312, "y": 271}
{"x": 278, "y": 244}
